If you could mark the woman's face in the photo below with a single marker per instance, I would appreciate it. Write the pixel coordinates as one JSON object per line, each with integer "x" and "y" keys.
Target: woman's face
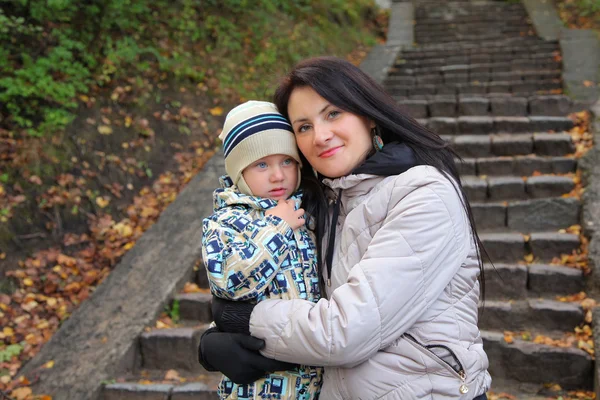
{"x": 333, "y": 141}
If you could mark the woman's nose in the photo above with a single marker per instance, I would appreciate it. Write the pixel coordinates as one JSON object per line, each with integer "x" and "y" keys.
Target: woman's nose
{"x": 322, "y": 135}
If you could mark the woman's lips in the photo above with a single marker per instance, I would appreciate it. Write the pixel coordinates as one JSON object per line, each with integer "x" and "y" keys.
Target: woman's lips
{"x": 330, "y": 152}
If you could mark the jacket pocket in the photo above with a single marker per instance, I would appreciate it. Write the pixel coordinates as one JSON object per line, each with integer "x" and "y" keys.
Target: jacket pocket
{"x": 444, "y": 356}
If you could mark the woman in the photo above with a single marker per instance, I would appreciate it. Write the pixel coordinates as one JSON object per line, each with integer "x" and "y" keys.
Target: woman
{"x": 401, "y": 253}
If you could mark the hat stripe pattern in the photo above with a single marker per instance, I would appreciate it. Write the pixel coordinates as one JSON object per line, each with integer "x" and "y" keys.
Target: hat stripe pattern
{"x": 260, "y": 123}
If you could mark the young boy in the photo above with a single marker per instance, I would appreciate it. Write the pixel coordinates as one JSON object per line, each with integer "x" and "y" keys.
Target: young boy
{"x": 256, "y": 244}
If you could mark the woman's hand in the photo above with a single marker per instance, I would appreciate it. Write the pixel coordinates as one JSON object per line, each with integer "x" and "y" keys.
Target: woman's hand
{"x": 232, "y": 316}
{"x": 236, "y": 356}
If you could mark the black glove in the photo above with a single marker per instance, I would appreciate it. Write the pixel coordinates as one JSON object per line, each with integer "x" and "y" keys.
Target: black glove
{"x": 236, "y": 356}
{"x": 232, "y": 316}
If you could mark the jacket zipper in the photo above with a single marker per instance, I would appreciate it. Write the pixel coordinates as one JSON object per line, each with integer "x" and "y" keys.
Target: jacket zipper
{"x": 463, "y": 388}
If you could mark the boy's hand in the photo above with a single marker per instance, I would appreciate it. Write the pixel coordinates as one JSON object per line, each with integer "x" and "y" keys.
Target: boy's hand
{"x": 285, "y": 209}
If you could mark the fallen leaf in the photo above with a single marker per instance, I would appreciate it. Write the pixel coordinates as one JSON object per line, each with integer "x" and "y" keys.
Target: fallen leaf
{"x": 216, "y": 111}
{"x": 105, "y": 130}
{"x": 102, "y": 202}
{"x": 49, "y": 364}
{"x": 21, "y": 393}
{"x": 172, "y": 375}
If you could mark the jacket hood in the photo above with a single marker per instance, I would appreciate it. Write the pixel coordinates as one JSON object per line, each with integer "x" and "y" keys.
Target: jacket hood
{"x": 228, "y": 195}
{"x": 394, "y": 159}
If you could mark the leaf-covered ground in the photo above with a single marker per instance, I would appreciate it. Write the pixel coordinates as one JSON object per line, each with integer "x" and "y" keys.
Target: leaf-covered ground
{"x": 79, "y": 199}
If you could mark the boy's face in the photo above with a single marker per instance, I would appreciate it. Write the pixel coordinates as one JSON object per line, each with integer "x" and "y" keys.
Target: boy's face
{"x": 274, "y": 177}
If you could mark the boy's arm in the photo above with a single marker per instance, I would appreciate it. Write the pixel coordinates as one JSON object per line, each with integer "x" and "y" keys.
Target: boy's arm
{"x": 241, "y": 262}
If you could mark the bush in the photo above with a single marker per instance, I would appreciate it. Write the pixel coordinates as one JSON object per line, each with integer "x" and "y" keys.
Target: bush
{"x": 51, "y": 51}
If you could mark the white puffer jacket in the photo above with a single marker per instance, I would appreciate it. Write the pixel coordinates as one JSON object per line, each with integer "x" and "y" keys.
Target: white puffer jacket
{"x": 400, "y": 321}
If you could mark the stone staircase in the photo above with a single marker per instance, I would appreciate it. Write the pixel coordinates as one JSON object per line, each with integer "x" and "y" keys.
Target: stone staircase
{"x": 481, "y": 79}
{"x": 493, "y": 90}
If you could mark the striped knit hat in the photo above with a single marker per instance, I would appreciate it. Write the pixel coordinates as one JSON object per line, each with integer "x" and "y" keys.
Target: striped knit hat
{"x": 253, "y": 130}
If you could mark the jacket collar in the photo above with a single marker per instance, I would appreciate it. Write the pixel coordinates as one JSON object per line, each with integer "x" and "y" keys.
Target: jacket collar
{"x": 229, "y": 195}
{"x": 394, "y": 159}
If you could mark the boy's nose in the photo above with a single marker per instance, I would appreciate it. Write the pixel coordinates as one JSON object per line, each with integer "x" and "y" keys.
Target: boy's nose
{"x": 276, "y": 175}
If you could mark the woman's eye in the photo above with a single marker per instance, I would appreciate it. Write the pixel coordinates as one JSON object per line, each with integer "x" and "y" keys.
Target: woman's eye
{"x": 303, "y": 128}
{"x": 333, "y": 113}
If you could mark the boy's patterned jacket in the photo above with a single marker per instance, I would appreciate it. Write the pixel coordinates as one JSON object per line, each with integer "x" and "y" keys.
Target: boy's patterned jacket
{"x": 251, "y": 257}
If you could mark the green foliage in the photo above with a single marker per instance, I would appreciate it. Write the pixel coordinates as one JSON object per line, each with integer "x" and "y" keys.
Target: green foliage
{"x": 51, "y": 51}
{"x": 588, "y": 7}
{"x": 10, "y": 351}
{"x": 173, "y": 312}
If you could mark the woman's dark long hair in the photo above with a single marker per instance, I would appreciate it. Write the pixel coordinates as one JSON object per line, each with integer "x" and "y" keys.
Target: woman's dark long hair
{"x": 346, "y": 86}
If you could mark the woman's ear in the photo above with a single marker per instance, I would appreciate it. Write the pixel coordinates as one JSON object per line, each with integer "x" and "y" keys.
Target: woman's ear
{"x": 372, "y": 124}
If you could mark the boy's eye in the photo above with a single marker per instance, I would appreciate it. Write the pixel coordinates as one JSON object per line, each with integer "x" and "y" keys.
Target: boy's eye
{"x": 262, "y": 165}
{"x": 288, "y": 161}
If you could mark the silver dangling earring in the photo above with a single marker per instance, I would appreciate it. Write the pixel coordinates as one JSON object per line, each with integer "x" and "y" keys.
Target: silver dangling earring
{"x": 377, "y": 141}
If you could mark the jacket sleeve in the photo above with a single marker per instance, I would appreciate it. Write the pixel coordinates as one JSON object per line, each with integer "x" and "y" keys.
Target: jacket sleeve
{"x": 421, "y": 244}
{"x": 241, "y": 261}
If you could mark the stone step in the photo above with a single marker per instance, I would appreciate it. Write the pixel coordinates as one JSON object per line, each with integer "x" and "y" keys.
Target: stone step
{"x": 477, "y": 88}
{"x": 481, "y": 126}
{"x": 530, "y": 315}
{"x": 471, "y": 65}
{"x": 481, "y": 145}
{"x": 161, "y": 391}
{"x": 499, "y": 188}
{"x": 470, "y": 36}
{"x": 519, "y": 165}
{"x": 461, "y": 64}
{"x": 527, "y": 215}
{"x": 195, "y": 306}
{"x": 448, "y": 77}
{"x": 471, "y": 15}
{"x": 485, "y": 50}
{"x": 171, "y": 348}
{"x": 499, "y": 106}
{"x": 486, "y": 46}
{"x": 526, "y": 361}
{"x": 438, "y": 26}
{"x": 519, "y": 281}
{"x": 510, "y": 246}
{"x": 503, "y": 388}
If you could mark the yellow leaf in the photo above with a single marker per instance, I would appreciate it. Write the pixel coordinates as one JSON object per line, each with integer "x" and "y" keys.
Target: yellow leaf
{"x": 21, "y": 393}
{"x": 128, "y": 245}
{"x": 27, "y": 282}
{"x": 102, "y": 202}
{"x": 105, "y": 130}
{"x": 588, "y": 83}
{"x": 43, "y": 324}
{"x": 216, "y": 111}
{"x": 8, "y": 331}
{"x": 49, "y": 364}
{"x": 1, "y": 190}
{"x": 529, "y": 258}
{"x": 172, "y": 375}
{"x": 128, "y": 121}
